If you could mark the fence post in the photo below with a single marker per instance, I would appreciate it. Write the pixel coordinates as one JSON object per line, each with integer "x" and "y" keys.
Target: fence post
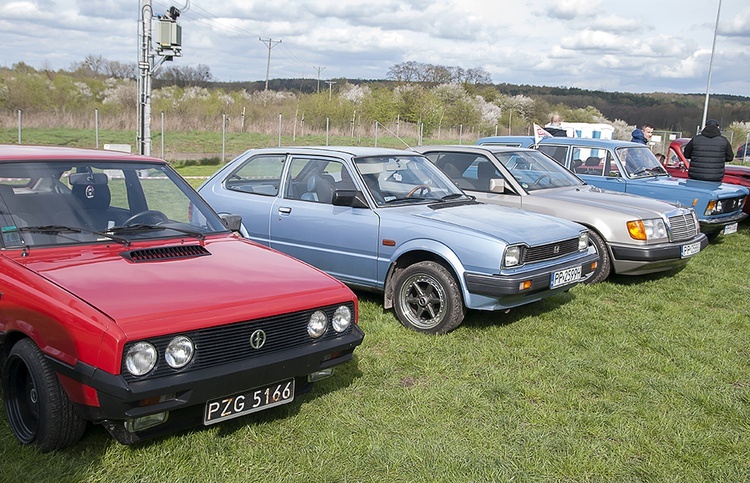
{"x": 327, "y": 125}
{"x": 19, "y": 126}
{"x": 376, "y": 134}
{"x": 223, "y": 136}
{"x": 279, "y": 129}
{"x": 162, "y": 134}
{"x": 460, "y": 133}
{"x": 96, "y": 125}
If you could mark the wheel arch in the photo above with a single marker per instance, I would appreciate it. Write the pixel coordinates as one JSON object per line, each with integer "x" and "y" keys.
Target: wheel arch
{"x": 444, "y": 257}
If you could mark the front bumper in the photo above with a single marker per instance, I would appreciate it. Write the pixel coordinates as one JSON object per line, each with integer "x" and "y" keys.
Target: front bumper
{"x": 712, "y": 225}
{"x": 506, "y": 287}
{"x": 628, "y": 260}
{"x": 188, "y": 392}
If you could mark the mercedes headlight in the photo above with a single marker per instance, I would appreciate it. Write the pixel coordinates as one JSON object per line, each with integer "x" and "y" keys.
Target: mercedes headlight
{"x": 140, "y": 358}
{"x": 648, "y": 229}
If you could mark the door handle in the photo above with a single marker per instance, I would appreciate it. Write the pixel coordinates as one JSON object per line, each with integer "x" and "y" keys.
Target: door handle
{"x": 285, "y": 210}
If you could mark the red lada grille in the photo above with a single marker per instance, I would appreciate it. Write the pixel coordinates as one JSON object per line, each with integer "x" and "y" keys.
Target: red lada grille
{"x": 232, "y": 343}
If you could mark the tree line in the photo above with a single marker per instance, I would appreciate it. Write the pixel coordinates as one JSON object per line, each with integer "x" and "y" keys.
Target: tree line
{"x": 433, "y": 97}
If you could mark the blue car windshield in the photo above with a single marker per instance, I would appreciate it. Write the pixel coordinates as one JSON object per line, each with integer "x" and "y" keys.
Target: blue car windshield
{"x": 535, "y": 171}
{"x": 396, "y": 180}
{"x": 640, "y": 162}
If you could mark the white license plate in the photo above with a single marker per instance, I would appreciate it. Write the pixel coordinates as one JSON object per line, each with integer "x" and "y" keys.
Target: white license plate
{"x": 565, "y": 277}
{"x": 247, "y": 402}
{"x": 731, "y": 228}
{"x": 690, "y": 250}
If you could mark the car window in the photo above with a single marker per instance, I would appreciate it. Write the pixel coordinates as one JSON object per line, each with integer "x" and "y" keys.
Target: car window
{"x": 393, "y": 180}
{"x": 52, "y": 203}
{"x": 593, "y": 162}
{"x": 536, "y": 171}
{"x": 315, "y": 179}
{"x": 640, "y": 162}
{"x": 259, "y": 175}
{"x": 558, "y": 153}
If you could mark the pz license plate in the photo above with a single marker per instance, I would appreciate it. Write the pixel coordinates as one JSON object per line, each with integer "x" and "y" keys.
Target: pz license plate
{"x": 690, "y": 250}
{"x": 730, "y": 228}
{"x": 565, "y": 277}
{"x": 247, "y": 402}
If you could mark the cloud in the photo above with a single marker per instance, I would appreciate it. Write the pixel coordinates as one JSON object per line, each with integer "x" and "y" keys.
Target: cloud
{"x": 571, "y": 9}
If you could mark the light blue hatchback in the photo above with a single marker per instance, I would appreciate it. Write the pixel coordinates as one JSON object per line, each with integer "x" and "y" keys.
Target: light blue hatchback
{"x": 389, "y": 221}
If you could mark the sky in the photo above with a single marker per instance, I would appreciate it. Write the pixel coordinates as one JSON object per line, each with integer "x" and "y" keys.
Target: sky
{"x": 633, "y": 46}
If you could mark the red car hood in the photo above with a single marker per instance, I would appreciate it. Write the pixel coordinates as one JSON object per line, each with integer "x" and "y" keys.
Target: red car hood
{"x": 239, "y": 280}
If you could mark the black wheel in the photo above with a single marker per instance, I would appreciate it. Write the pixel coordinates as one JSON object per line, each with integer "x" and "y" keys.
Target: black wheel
{"x": 428, "y": 299}
{"x": 152, "y": 216}
{"x": 39, "y": 411}
{"x": 604, "y": 267}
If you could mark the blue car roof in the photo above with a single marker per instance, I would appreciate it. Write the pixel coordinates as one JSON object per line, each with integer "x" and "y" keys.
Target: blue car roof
{"x": 526, "y": 141}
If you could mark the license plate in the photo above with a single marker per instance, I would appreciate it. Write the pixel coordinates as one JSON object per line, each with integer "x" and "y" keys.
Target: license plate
{"x": 247, "y": 402}
{"x": 690, "y": 250}
{"x": 565, "y": 277}
{"x": 731, "y": 228}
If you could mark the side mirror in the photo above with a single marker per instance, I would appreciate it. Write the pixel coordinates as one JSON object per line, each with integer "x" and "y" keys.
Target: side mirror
{"x": 352, "y": 198}
{"x": 232, "y": 222}
{"x": 497, "y": 185}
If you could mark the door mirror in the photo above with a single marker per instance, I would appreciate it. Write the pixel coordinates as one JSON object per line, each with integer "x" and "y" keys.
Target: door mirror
{"x": 497, "y": 185}
{"x": 232, "y": 222}
{"x": 352, "y": 198}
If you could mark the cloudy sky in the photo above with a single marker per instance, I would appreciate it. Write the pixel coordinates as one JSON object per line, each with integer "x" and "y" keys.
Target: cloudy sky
{"x": 612, "y": 45}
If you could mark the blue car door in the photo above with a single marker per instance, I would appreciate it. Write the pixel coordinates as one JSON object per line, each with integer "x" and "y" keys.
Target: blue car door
{"x": 250, "y": 190}
{"x": 340, "y": 240}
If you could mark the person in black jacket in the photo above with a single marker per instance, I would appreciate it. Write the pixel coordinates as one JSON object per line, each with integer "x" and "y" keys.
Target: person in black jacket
{"x": 708, "y": 152}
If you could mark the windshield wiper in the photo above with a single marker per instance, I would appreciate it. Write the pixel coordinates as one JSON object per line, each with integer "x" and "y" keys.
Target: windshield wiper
{"x": 147, "y": 227}
{"x": 644, "y": 169}
{"x": 407, "y": 199}
{"x": 452, "y": 196}
{"x": 70, "y": 229}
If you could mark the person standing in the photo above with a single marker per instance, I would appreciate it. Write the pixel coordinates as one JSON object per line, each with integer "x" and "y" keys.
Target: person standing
{"x": 708, "y": 152}
{"x": 642, "y": 135}
{"x": 555, "y": 127}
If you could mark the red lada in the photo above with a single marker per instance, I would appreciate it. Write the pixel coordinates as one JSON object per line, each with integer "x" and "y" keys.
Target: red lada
{"x": 125, "y": 300}
{"x": 677, "y": 165}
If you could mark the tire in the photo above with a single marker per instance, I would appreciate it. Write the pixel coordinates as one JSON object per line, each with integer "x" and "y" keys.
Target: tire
{"x": 39, "y": 411}
{"x": 604, "y": 267}
{"x": 428, "y": 299}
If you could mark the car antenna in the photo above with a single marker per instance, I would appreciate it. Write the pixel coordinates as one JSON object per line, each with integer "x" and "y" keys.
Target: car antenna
{"x": 394, "y": 134}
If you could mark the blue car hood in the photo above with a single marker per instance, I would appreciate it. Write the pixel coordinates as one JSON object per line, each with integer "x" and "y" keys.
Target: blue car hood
{"x": 718, "y": 190}
{"x": 509, "y": 224}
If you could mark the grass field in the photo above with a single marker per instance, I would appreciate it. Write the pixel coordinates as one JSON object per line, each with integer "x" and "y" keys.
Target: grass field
{"x": 635, "y": 379}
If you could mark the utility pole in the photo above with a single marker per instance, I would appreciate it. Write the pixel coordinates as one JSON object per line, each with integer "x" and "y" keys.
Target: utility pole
{"x": 169, "y": 45}
{"x": 270, "y": 44}
{"x": 330, "y": 88}
{"x": 319, "y": 69}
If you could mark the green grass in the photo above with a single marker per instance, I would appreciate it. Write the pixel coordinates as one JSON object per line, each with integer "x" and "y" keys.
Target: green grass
{"x": 635, "y": 379}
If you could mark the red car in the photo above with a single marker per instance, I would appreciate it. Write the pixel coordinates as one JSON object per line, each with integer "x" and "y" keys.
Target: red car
{"x": 677, "y": 165}
{"x": 125, "y": 300}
